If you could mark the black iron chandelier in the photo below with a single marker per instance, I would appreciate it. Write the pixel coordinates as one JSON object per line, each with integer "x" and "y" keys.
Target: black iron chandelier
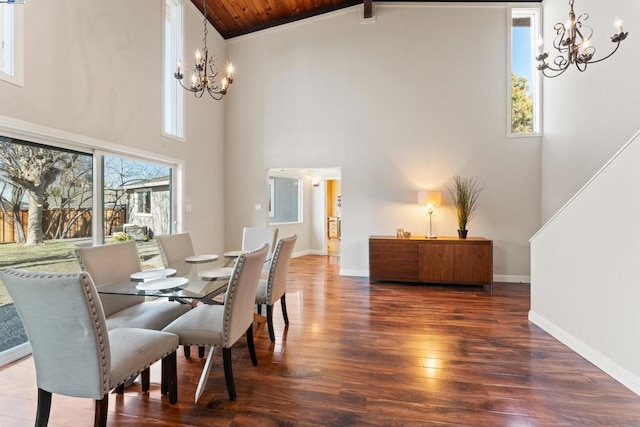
{"x": 206, "y": 71}
{"x": 573, "y": 42}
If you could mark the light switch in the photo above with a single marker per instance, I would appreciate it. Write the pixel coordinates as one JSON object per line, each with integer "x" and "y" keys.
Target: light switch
{"x": 258, "y": 207}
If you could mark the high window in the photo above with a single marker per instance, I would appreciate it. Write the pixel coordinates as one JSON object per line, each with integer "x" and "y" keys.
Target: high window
{"x": 524, "y": 80}
{"x": 173, "y": 113}
{"x": 11, "y": 43}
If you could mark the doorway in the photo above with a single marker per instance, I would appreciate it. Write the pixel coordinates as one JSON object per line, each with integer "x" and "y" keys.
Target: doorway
{"x": 334, "y": 216}
{"x": 319, "y": 207}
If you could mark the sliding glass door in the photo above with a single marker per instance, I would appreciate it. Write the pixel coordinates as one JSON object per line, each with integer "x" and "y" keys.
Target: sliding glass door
{"x": 46, "y": 203}
{"x": 49, "y": 207}
{"x": 137, "y": 204}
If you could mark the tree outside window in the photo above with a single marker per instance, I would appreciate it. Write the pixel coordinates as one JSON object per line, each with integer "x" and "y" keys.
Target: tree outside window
{"x": 521, "y": 105}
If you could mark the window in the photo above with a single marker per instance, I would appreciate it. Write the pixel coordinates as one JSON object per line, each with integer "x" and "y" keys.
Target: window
{"x": 11, "y": 42}
{"x": 40, "y": 225}
{"x": 524, "y": 79}
{"x": 173, "y": 48}
{"x": 136, "y": 194}
{"x": 69, "y": 210}
{"x": 285, "y": 196}
{"x": 143, "y": 199}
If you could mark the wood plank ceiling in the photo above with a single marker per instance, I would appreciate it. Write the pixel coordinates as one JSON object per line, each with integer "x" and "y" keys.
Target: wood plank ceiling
{"x": 232, "y": 18}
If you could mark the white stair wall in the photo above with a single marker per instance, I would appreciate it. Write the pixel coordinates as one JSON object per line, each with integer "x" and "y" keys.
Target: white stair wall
{"x": 585, "y": 270}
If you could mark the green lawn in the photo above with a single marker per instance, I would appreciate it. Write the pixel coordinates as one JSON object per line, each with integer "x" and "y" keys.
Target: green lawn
{"x": 58, "y": 256}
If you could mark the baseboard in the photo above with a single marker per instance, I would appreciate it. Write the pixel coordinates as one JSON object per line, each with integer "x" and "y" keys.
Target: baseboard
{"x": 15, "y": 353}
{"x": 307, "y": 252}
{"x": 511, "y": 278}
{"x": 608, "y": 366}
{"x": 357, "y": 273}
{"x": 496, "y": 278}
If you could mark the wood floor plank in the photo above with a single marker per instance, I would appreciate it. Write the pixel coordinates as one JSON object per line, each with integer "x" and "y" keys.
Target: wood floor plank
{"x": 366, "y": 354}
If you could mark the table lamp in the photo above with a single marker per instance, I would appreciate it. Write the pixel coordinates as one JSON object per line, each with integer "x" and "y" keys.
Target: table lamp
{"x": 430, "y": 199}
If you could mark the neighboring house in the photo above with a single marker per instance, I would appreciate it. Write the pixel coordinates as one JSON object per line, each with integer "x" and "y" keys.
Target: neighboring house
{"x": 148, "y": 208}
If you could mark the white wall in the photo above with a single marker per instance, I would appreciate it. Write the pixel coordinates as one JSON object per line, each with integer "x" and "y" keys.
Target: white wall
{"x": 584, "y": 268}
{"x": 589, "y": 116}
{"x": 585, "y": 274}
{"x": 400, "y": 105}
{"x": 94, "y": 69}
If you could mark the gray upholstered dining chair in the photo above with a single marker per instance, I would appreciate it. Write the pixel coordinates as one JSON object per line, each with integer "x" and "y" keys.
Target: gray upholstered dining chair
{"x": 176, "y": 251}
{"x": 223, "y": 325}
{"x": 254, "y": 237}
{"x": 274, "y": 287}
{"x": 116, "y": 262}
{"x": 74, "y": 354}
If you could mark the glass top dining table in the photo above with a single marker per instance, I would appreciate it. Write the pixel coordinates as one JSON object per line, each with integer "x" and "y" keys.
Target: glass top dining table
{"x": 194, "y": 287}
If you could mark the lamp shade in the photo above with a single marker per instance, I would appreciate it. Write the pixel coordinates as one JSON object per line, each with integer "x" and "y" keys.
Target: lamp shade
{"x": 429, "y": 198}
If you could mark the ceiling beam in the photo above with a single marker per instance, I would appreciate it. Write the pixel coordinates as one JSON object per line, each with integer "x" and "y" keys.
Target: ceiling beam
{"x": 368, "y": 9}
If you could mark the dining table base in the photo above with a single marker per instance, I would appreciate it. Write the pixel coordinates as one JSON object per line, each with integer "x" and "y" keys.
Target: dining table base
{"x": 205, "y": 374}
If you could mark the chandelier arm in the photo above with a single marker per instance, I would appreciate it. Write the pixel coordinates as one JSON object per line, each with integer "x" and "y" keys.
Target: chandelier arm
{"x": 560, "y": 33}
{"x": 550, "y": 68}
{"x": 551, "y": 76}
{"x": 602, "y": 59}
{"x": 215, "y": 95}
{"x": 561, "y": 62}
{"x": 190, "y": 89}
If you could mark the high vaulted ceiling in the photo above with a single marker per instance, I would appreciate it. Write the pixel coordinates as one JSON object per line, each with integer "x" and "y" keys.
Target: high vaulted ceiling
{"x": 232, "y": 18}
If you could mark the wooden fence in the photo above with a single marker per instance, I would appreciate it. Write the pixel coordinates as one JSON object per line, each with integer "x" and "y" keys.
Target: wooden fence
{"x": 56, "y": 219}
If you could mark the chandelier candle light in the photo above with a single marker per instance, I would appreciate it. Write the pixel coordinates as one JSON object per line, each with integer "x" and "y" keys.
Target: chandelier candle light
{"x": 430, "y": 199}
{"x": 573, "y": 42}
{"x": 205, "y": 71}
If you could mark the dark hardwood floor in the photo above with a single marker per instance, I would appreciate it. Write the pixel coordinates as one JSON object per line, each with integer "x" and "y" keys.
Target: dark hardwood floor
{"x": 370, "y": 354}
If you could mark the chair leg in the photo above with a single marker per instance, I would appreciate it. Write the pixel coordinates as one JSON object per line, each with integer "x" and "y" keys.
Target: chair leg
{"x": 170, "y": 376}
{"x": 120, "y": 389}
{"x": 44, "y": 408}
{"x": 100, "y": 418}
{"x": 259, "y": 309}
{"x": 146, "y": 379}
{"x": 187, "y": 350}
{"x": 228, "y": 373}
{"x": 201, "y": 352}
{"x": 252, "y": 348}
{"x": 164, "y": 387}
{"x": 272, "y": 334}
{"x": 283, "y": 303}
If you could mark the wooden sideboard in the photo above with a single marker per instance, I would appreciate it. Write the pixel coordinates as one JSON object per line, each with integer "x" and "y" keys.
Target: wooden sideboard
{"x": 446, "y": 260}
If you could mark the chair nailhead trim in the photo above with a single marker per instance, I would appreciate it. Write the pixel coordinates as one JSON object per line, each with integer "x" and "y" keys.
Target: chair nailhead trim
{"x": 99, "y": 331}
{"x": 272, "y": 270}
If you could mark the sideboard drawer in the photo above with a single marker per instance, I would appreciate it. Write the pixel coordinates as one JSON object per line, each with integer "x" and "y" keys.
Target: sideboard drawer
{"x": 393, "y": 260}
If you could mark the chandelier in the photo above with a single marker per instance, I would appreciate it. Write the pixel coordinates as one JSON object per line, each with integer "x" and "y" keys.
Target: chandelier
{"x": 573, "y": 42}
{"x": 205, "y": 75}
